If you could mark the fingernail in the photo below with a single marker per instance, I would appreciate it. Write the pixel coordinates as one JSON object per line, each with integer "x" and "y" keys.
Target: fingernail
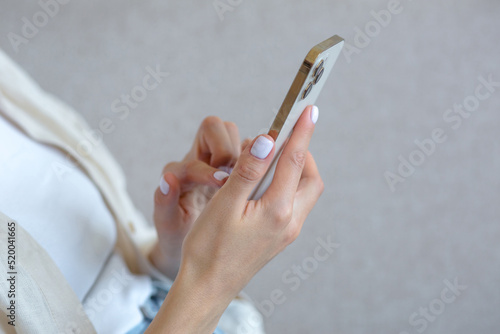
{"x": 220, "y": 175}
{"x": 314, "y": 114}
{"x": 226, "y": 169}
{"x": 164, "y": 187}
{"x": 262, "y": 147}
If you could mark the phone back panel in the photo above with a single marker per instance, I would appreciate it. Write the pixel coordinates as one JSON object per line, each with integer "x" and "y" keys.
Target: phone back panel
{"x": 304, "y": 91}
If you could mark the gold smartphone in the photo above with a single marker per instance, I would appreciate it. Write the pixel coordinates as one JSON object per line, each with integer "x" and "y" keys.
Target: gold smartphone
{"x": 304, "y": 91}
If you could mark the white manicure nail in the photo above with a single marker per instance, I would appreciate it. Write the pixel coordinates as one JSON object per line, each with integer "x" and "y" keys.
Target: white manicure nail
{"x": 262, "y": 147}
{"x": 226, "y": 169}
{"x": 314, "y": 114}
{"x": 164, "y": 187}
{"x": 220, "y": 175}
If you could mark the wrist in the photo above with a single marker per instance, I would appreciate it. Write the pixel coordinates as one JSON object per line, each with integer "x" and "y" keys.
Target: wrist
{"x": 194, "y": 304}
{"x": 166, "y": 261}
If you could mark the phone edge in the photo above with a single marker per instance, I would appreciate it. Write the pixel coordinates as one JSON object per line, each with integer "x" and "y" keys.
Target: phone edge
{"x": 291, "y": 97}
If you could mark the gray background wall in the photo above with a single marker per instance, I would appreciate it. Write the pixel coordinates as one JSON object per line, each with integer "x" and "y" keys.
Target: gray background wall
{"x": 396, "y": 249}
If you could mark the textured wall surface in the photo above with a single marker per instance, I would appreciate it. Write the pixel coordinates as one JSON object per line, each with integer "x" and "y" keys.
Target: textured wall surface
{"x": 404, "y": 79}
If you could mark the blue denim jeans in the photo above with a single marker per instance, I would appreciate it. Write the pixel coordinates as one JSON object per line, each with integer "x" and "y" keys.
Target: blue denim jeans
{"x": 152, "y": 305}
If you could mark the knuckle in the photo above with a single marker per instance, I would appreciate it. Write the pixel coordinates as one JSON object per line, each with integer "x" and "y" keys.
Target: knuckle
{"x": 211, "y": 121}
{"x": 298, "y": 159}
{"x": 291, "y": 235}
{"x": 191, "y": 164}
{"x": 188, "y": 168}
{"x": 248, "y": 172}
{"x": 171, "y": 166}
{"x": 231, "y": 125}
{"x": 321, "y": 186}
{"x": 283, "y": 214}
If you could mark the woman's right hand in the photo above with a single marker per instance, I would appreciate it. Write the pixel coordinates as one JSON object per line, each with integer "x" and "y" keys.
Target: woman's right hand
{"x": 234, "y": 238}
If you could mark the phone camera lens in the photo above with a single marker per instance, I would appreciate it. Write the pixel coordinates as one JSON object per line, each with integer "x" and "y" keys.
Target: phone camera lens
{"x": 307, "y": 90}
{"x": 319, "y": 75}
{"x": 319, "y": 67}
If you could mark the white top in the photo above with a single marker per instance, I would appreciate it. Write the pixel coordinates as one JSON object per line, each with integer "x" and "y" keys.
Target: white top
{"x": 36, "y": 181}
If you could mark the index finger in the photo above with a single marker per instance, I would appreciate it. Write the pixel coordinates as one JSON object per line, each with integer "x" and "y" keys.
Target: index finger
{"x": 291, "y": 162}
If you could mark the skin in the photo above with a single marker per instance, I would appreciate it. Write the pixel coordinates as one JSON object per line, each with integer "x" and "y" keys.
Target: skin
{"x": 192, "y": 185}
{"x": 225, "y": 238}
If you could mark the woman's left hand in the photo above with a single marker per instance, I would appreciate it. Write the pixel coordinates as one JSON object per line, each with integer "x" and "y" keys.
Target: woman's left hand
{"x": 187, "y": 186}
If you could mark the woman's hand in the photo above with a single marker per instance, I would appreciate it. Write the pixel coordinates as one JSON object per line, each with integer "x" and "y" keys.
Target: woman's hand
{"x": 234, "y": 238}
{"x": 187, "y": 186}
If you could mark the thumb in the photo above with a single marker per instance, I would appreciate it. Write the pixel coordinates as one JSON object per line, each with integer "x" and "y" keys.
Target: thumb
{"x": 250, "y": 168}
{"x": 245, "y": 143}
{"x": 167, "y": 199}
